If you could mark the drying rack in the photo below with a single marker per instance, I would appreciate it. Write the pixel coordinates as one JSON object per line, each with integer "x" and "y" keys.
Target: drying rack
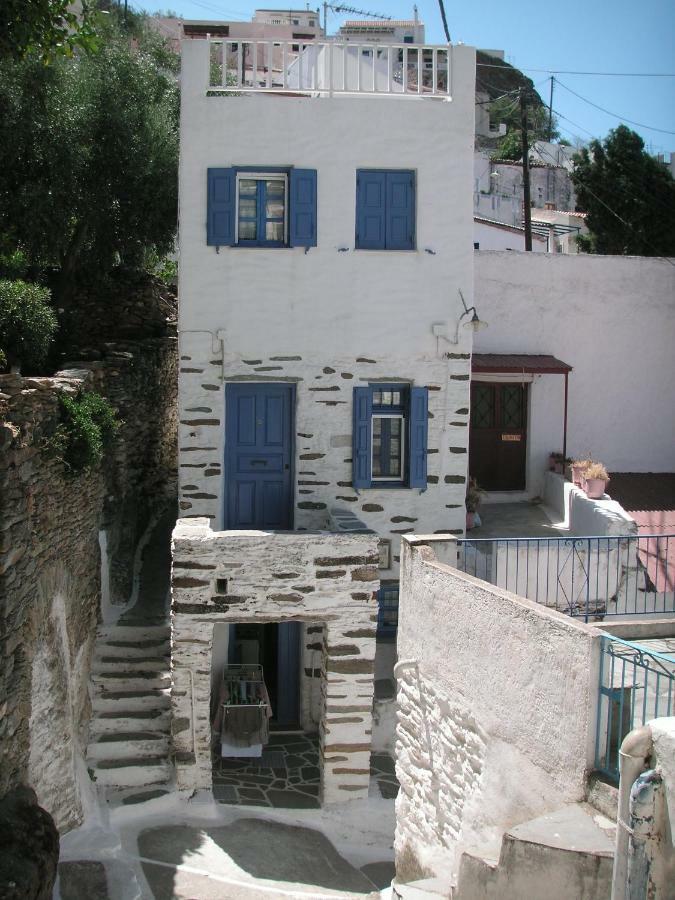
{"x": 244, "y": 686}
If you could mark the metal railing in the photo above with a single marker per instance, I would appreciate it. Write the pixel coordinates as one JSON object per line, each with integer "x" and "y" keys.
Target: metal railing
{"x": 589, "y": 577}
{"x": 637, "y": 683}
{"x": 330, "y": 68}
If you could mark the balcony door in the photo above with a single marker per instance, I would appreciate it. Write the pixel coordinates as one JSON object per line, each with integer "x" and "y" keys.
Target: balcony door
{"x": 259, "y": 456}
{"x": 498, "y": 435}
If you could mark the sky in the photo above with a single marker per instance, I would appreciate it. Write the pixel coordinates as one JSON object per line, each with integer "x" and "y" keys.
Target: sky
{"x": 593, "y": 36}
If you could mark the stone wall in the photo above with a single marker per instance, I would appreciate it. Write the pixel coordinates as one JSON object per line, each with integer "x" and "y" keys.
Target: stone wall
{"x": 323, "y": 435}
{"x": 50, "y": 565}
{"x": 497, "y": 702}
{"x": 317, "y": 578}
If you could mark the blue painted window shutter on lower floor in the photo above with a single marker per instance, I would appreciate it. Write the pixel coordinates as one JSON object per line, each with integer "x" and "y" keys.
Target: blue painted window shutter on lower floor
{"x": 419, "y": 405}
{"x": 370, "y": 210}
{"x": 302, "y": 208}
{"x": 363, "y": 411}
{"x": 221, "y": 198}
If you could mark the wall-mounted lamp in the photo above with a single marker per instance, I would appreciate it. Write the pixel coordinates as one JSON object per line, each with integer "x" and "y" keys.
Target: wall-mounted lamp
{"x": 474, "y": 322}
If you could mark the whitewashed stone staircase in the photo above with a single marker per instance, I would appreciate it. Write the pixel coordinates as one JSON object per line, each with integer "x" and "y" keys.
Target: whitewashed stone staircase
{"x": 131, "y": 724}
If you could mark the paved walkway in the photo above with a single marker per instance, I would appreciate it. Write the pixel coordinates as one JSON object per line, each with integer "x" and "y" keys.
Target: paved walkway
{"x": 287, "y": 775}
{"x": 515, "y": 520}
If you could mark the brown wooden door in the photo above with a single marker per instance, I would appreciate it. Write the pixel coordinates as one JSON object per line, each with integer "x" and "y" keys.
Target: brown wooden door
{"x": 498, "y": 435}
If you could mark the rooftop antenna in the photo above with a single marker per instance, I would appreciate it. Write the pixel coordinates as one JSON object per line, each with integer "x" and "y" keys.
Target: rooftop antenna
{"x": 339, "y": 7}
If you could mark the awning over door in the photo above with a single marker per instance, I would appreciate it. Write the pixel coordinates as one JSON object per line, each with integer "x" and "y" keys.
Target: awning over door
{"x": 520, "y": 363}
{"x": 524, "y": 364}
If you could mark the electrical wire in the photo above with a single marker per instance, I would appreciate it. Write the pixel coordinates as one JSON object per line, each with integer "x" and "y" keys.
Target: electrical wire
{"x": 615, "y": 115}
{"x": 573, "y": 72}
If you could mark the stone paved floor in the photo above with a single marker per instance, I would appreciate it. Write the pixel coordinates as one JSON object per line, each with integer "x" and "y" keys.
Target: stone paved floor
{"x": 292, "y": 786}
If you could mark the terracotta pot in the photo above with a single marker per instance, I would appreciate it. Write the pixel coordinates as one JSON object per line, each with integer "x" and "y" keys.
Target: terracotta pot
{"x": 595, "y": 487}
{"x": 578, "y": 475}
{"x": 470, "y": 520}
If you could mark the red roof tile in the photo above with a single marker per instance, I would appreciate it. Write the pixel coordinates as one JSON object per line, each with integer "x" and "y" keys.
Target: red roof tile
{"x": 521, "y": 363}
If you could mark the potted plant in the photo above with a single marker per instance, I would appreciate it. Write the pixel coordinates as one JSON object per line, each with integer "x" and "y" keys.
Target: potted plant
{"x": 579, "y": 467}
{"x": 595, "y": 480}
{"x": 474, "y": 495}
{"x": 556, "y": 462}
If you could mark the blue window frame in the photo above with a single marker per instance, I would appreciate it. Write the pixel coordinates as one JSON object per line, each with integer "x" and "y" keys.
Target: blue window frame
{"x": 261, "y": 206}
{"x": 387, "y": 609}
{"x": 390, "y": 436}
{"x": 261, "y": 210}
{"x": 385, "y": 209}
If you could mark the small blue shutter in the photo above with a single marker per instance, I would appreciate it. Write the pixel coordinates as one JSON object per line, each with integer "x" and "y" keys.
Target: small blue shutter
{"x": 221, "y": 194}
{"x": 302, "y": 208}
{"x": 370, "y": 210}
{"x": 418, "y": 437}
{"x": 363, "y": 410}
{"x": 400, "y": 225}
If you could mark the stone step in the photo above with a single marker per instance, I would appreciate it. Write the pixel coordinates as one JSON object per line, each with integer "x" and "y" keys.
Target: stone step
{"x": 569, "y": 850}
{"x": 129, "y": 745}
{"x": 133, "y": 634}
{"x": 117, "y": 682}
{"x": 130, "y": 772}
{"x": 125, "y": 702}
{"x": 130, "y": 720}
{"x": 156, "y": 650}
{"x": 104, "y": 664}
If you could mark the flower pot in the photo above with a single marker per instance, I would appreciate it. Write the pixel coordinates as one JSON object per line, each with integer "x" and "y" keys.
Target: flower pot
{"x": 578, "y": 475}
{"x": 595, "y": 487}
{"x": 470, "y": 520}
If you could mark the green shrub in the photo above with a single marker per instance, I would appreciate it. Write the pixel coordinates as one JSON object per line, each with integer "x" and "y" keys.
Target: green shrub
{"x": 27, "y": 323}
{"x": 87, "y": 428}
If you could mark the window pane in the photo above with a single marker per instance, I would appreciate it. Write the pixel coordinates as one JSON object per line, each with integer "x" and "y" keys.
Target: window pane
{"x": 482, "y": 405}
{"x": 275, "y": 199}
{"x": 387, "y": 446}
{"x": 274, "y": 231}
{"x": 377, "y": 398}
{"x": 247, "y": 231}
{"x": 247, "y": 208}
{"x": 377, "y": 446}
{"x": 513, "y": 397}
{"x": 396, "y": 398}
{"x": 247, "y": 187}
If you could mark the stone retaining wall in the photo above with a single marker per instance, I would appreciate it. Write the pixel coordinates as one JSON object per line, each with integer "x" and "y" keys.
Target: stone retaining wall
{"x": 318, "y": 578}
{"x": 49, "y": 552}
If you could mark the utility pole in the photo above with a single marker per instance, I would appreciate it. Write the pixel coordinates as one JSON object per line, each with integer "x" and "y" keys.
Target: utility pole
{"x": 527, "y": 210}
{"x": 550, "y": 113}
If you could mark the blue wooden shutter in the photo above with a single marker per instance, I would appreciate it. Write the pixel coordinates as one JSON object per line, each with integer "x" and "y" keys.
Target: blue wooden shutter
{"x": 220, "y": 211}
{"x": 370, "y": 210}
{"x": 418, "y": 437}
{"x": 400, "y": 204}
{"x": 302, "y": 208}
{"x": 363, "y": 411}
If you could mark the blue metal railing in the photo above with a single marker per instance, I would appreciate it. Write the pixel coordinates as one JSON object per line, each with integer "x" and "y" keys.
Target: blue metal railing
{"x": 589, "y": 577}
{"x": 637, "y": 683}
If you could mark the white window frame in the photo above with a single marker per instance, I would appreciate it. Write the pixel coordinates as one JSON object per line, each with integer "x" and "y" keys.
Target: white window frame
{"x": 262, "y": 176}
{"x": 380, "y": 415}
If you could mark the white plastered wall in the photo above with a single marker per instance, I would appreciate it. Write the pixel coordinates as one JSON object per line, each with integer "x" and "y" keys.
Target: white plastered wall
{"x": 332, "y": 318}
{"x": 612, "y": 318}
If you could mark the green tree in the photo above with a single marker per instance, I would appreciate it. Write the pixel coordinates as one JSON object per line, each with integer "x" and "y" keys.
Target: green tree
{"x": 44, "y": 27}
{"x": 628, "y": 195}
{"x": 89, "y": 154}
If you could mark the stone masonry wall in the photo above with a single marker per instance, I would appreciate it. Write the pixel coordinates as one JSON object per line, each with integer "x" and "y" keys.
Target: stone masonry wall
{"x": 314, "y": 578}
{"x": 496, "y": 712}
{"x": 323, "y": 436}
{"x": 49, "y": 552}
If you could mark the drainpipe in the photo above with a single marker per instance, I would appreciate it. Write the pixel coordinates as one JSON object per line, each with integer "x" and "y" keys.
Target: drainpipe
{"x": 633, "y": 756}
{"x": 644, "y": 830}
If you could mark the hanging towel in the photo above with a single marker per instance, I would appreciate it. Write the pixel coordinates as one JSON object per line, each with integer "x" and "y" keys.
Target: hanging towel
{"x": 243, "y": 725}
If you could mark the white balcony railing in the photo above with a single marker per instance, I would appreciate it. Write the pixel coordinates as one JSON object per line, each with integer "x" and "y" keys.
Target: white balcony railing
{"x": 330, "y": 68}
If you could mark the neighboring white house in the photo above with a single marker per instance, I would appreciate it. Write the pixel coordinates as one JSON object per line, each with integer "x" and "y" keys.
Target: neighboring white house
{"x": 489, "y": 234}
{"x": 325, "y": 260}
{"x": 383, "y": 31}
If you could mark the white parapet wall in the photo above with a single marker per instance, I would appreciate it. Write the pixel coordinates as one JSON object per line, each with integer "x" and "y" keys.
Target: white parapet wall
{"x": 318, "y": 578}
{"x": 497, "y": 702}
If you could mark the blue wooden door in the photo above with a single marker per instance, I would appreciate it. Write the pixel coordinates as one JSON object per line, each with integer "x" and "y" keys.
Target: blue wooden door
{"x": 288, "y": 674}
{"x": 259, "y": 456}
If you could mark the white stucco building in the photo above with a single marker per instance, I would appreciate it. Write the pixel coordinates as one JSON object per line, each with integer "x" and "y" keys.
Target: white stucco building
{"x": 325, "y": 255}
